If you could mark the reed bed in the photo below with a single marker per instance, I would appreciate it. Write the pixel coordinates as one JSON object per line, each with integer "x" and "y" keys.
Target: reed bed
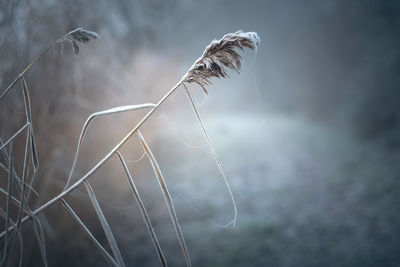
{"x": 219, "y": 56}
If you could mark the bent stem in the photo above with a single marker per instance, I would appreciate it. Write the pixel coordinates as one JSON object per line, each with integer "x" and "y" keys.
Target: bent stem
{"x": 214, "y": 153}
{"x": 90, "y": 120}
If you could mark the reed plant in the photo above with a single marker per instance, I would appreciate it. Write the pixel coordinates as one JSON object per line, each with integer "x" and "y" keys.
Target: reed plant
{"x": 219, "y": 56}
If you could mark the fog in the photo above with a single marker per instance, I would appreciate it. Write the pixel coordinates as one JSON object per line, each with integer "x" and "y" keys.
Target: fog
{"x": 307, "y": 134}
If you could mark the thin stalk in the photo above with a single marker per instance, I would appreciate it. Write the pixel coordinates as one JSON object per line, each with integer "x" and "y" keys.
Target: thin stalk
{"x": 15, "y": 135}
{"x": 103, "y": 252}
{"x": 214, "y": 153}
{"x": 24, "y": 174}
{"x": 167, "y": 198}
{"x": 104, "y": 224}
{"x": 9, "y": 190}
{"x": 143, "y": 211}
{"x": 35, "y": 161}
{"x": 44, "y": 51}
{"x": 37, "y": 227}
{"x": 21, "y": 250}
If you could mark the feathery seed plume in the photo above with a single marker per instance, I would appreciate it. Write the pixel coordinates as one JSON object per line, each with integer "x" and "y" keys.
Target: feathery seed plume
{"x": 80, "y": 35}
{"x": 219, "y": 55}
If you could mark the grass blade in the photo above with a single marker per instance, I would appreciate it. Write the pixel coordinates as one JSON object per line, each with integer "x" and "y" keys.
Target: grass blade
{"x": 3, "y": 167}
{"x": 19, "y": 181}
{"x": 28, "y": 113}
{"x": 35, "y": 161}
{"x": 167, "y": 197}
{"x": 37, "y": 227}
{"x": 25, "y": 171}
{"x": 105, "y": 225}
{"x": 16, "y": 201}
{"x": 39, "y": 234}
{"x": 97, "y": 244}
{"x": 27, "y": 100}
{"x": 90, "y": 120}
{"x": 3, "y": 214}
{"x": 214, "y": 153}
{"x": 143, "y": 211}
{"x": 8, "y": 202}
{"x": 14, "y": 135}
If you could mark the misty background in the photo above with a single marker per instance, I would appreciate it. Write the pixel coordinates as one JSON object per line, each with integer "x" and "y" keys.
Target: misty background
{"x": 308, "y": 133}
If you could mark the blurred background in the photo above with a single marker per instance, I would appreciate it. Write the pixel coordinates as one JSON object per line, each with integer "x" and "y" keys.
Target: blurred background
{"x": 308, "y": 133}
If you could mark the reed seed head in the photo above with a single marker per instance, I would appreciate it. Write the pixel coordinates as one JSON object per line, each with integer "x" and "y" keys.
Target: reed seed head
{"x": 219, "y": 55}
{"x": 80, "y": 35}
